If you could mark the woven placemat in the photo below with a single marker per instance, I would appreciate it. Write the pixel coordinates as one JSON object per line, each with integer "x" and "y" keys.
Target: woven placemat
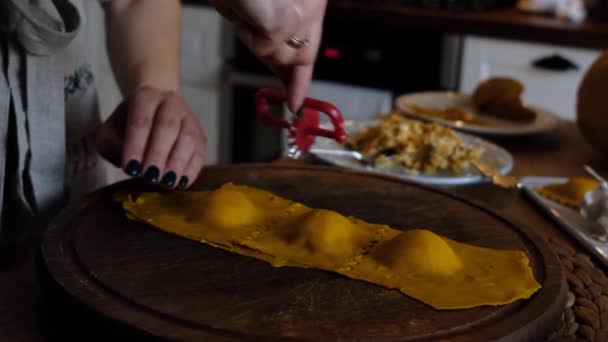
{"x": 585, "y": 317}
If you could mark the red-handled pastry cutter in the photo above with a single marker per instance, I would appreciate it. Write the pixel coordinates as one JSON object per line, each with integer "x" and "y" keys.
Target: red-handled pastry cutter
{"x": 304, "y": 125}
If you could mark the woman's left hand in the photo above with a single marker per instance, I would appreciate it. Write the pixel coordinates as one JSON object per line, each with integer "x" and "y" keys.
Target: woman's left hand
{"x": 156, "y": 134}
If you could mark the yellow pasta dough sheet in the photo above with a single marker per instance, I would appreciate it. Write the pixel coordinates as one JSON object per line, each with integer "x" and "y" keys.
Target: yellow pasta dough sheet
{"x": 440, "y": 272}
{"x": 570, "y": 193}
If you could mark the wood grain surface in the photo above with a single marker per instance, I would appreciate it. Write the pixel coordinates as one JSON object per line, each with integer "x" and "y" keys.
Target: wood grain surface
{"x": 172, "y": 287}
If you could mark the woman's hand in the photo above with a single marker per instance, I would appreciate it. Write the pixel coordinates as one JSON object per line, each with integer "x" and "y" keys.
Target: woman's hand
{"x": 154, "y": 133}
{"x": 267, "y": 27}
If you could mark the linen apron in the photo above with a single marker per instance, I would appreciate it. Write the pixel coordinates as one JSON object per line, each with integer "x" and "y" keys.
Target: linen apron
{"x": 47, "y": 104}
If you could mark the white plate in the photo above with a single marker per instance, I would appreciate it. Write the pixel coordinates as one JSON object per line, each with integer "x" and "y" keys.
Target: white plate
{"x": 493, "y": 156}
{"x": 570, "y": 220}
{"x": 543, "y": 122}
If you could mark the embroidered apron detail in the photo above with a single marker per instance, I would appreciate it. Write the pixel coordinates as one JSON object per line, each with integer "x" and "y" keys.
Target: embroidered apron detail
{"x": 31, "y": 91}
{"x": 80, "y": 80}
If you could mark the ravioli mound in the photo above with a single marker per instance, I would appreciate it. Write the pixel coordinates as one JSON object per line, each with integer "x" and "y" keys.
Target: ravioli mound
{"x": 323, "y": 231}
{"x": 440, "y": 272}
{"x": 570, "y": 193}
{"x": 418, "y": 252}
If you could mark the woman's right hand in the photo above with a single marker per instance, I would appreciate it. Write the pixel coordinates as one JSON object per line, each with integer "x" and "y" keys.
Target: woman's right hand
{"x": 266, "y": 27}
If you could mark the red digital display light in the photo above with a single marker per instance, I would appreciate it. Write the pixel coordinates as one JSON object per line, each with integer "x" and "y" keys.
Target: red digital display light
{"x": 331, "y": 53}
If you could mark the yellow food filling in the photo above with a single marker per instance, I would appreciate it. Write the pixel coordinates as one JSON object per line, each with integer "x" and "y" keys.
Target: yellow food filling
{"x": 421, "y": 264}
{"x": 570, "y": 193}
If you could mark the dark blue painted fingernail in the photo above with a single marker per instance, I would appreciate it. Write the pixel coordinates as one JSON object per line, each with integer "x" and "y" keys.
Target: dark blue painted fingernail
{"x": 133, "y": 168}
{"x": 183, "y": 182}
{"x": 152, "y": 174}
{"x": 169, "y": 179}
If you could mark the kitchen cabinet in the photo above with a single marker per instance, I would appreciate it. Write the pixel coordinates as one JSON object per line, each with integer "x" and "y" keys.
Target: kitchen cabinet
{"x": 550, "y": 89}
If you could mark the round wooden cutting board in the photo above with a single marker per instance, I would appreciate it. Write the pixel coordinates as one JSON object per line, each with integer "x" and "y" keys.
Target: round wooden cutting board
{"x": 168, "y": 286}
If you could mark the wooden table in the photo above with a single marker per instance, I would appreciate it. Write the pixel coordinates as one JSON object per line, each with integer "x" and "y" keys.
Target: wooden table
{"x": 561, "y": 153}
